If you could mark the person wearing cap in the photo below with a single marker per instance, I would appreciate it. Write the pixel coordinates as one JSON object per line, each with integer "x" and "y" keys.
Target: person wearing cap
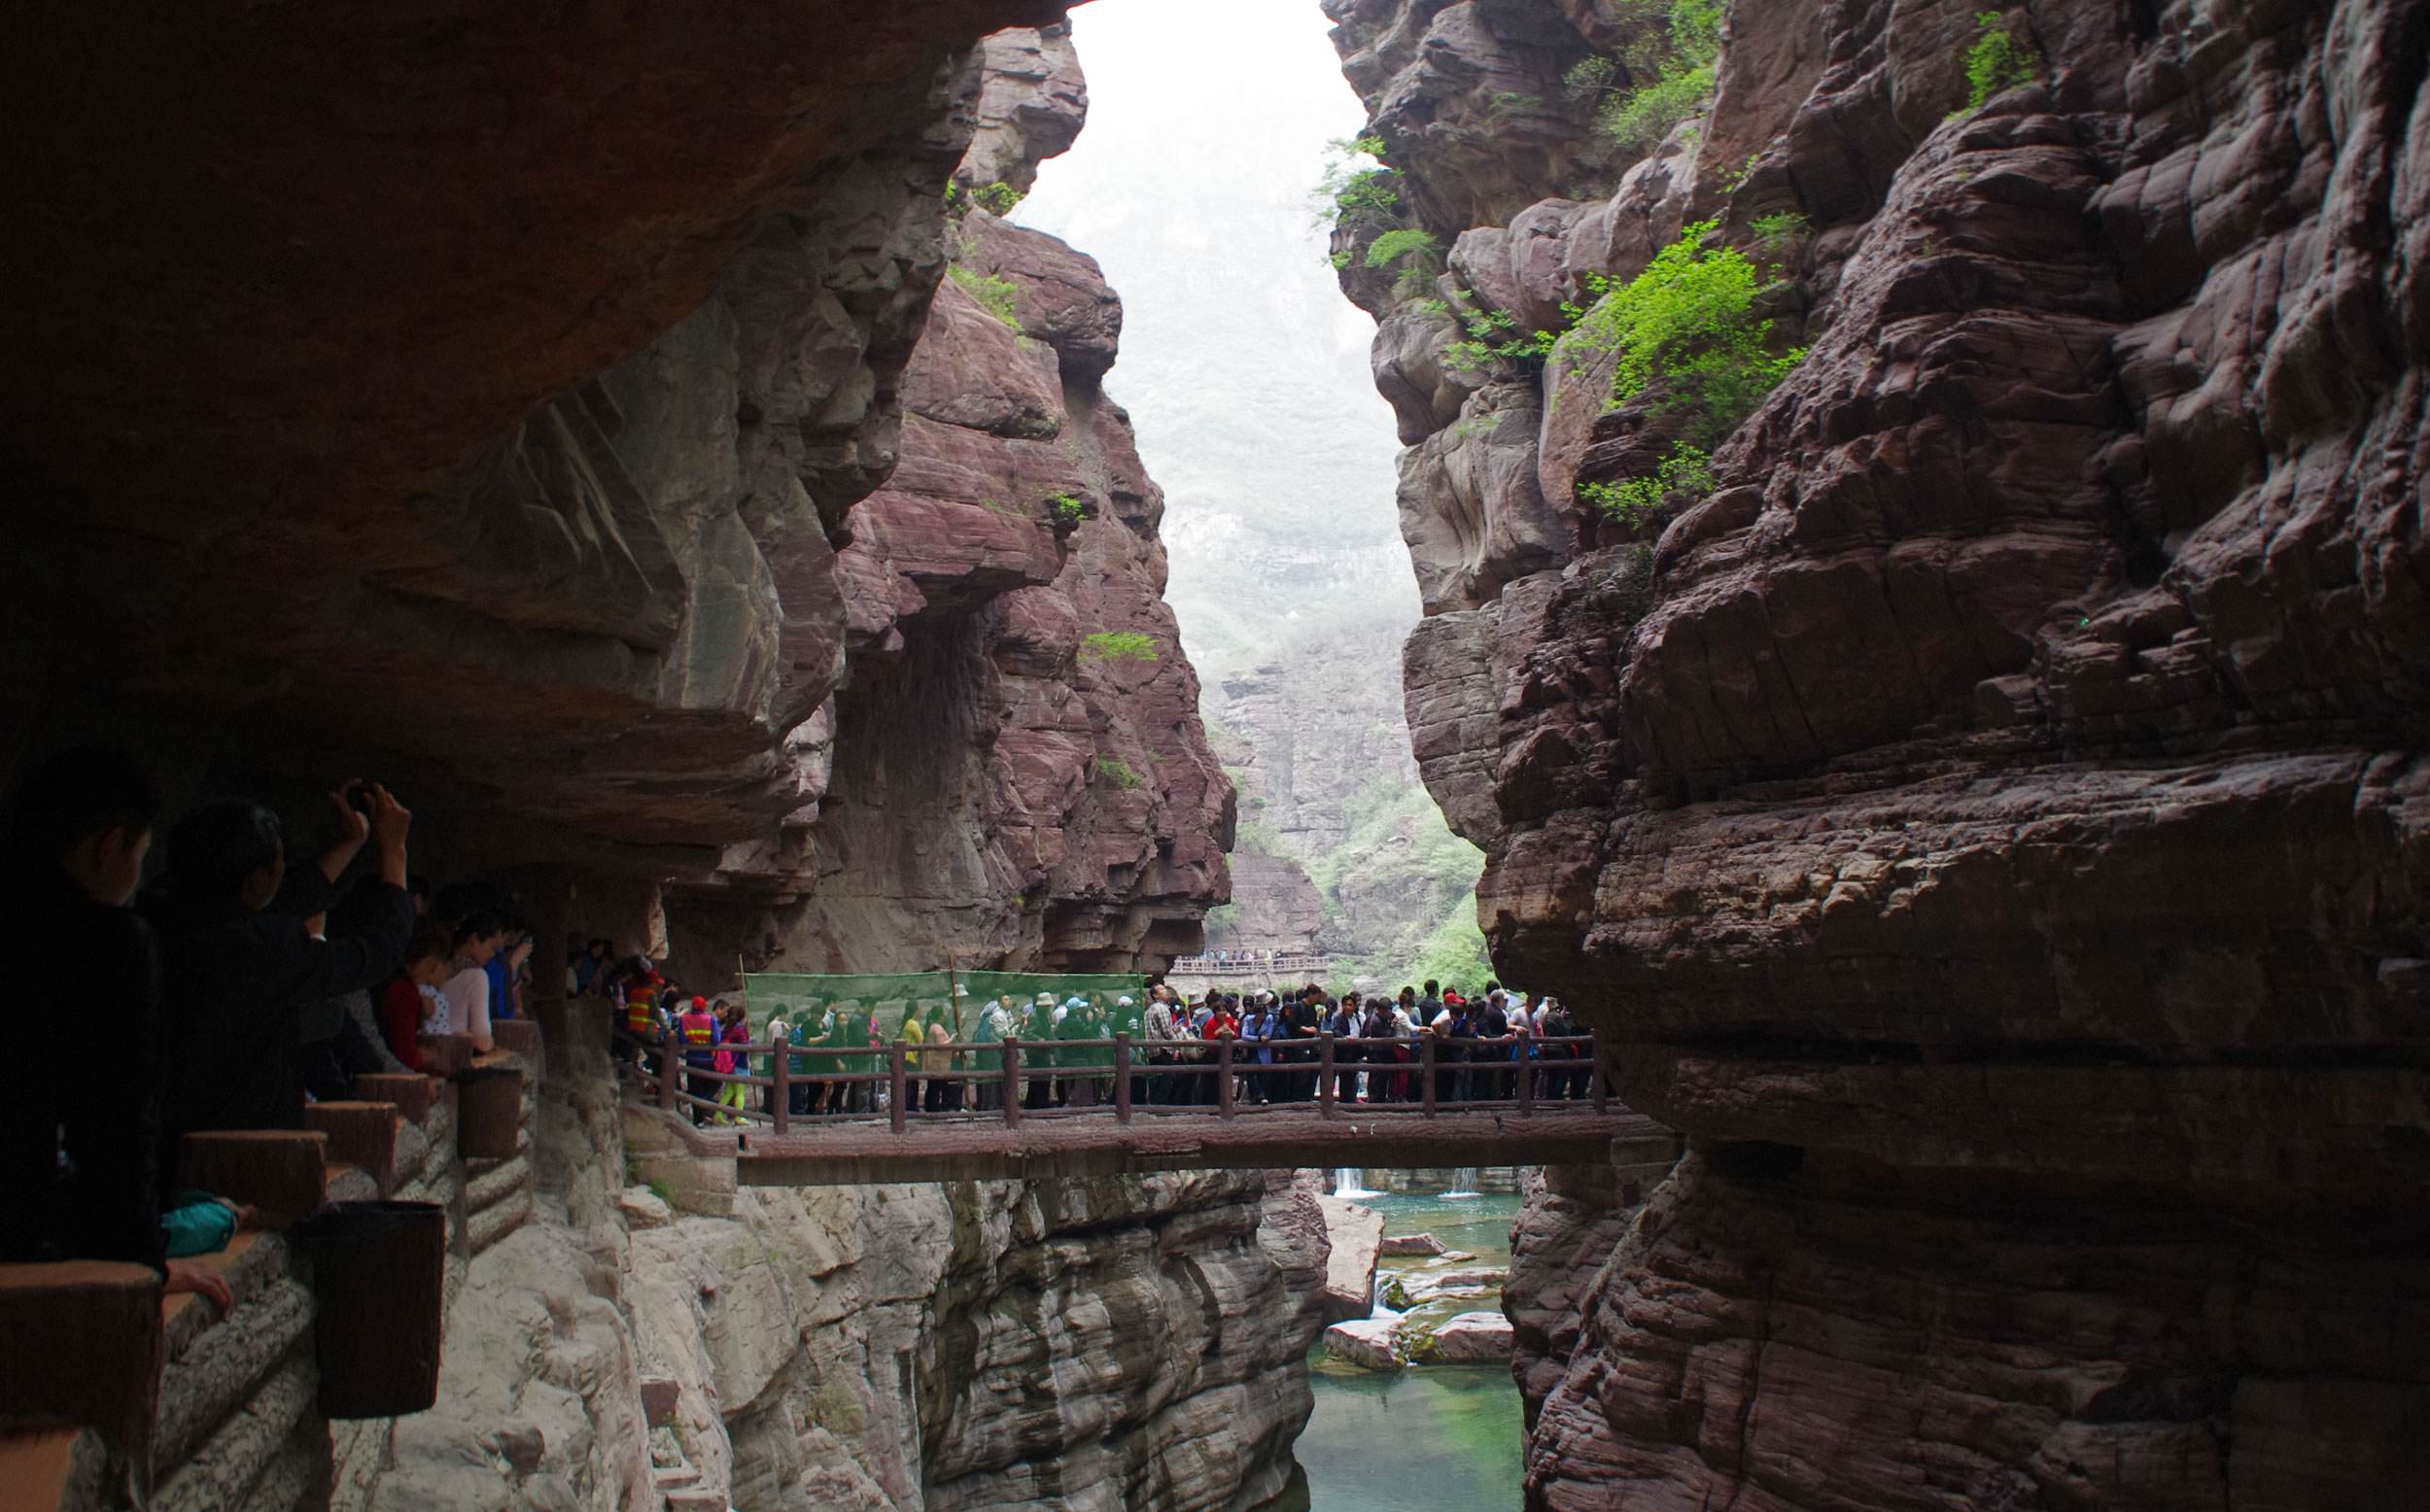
{"x": 1127, "y": 1019}
{"x": 1040, "y": 1092}
{"x": 826, "y": 1094}
{"x": 985, "y": 1091}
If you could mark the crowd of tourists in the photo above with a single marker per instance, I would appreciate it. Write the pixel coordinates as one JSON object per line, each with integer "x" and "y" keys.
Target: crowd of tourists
{"x": 837, "y": 1061}
{"x": 234, "y": 989}
{"x": 1482, "y": 1049}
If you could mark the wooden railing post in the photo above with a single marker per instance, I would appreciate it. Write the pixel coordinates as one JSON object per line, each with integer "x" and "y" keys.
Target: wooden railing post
{"x": 1594, "y": 1070}
{"x": 1122, "y": 1079}
{"x": 668, "y": 1077}
{"x": 1426, "y": 1077}
{"x": 780, "y": 1069}
{"x": 898, "y": 1087}
{"x": 1223, "y": 1076}
{"x": 1325, "y": 1074}
{"x": 1012, "y": 1080}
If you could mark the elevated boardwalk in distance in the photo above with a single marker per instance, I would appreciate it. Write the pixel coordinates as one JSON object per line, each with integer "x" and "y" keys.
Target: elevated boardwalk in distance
{"x": 1078, "y": 1117}
{"x": 1077, "y": 1145}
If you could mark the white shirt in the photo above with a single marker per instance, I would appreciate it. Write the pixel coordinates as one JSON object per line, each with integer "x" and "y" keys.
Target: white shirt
{"x": 467, "y": 1002}
{"x": 433, "y": 1009}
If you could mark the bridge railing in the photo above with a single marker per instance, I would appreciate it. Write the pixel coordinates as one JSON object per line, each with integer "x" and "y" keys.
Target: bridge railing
{"x": 1014, "y": 1079}
{"x": 1252, "y": 964}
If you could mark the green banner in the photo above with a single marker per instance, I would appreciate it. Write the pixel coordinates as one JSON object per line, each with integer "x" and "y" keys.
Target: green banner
{"x": 867, "y": 1010}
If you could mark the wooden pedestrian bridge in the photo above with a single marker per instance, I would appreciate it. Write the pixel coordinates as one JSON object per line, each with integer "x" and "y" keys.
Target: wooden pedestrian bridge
{"x": 1018, "y": 1109}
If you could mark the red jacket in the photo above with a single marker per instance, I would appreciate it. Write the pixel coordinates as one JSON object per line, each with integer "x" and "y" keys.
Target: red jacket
{"x": 401, "y": 1020}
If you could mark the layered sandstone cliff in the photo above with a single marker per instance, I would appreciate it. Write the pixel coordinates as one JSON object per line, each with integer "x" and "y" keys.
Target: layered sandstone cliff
{"x": 536, "y": 460}
{"x": 1991, "y": 821}
{"x": 1127, "y": 1343}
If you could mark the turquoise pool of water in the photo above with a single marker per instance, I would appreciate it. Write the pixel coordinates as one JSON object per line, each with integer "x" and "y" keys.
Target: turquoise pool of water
{"x": 1442, "y": 1438}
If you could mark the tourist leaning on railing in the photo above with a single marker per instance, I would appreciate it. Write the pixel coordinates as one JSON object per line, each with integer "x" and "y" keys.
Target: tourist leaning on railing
{"x": 411, "y": 1000}
{"x": 945, "y": 1095}
{"x": 465, "y": 994}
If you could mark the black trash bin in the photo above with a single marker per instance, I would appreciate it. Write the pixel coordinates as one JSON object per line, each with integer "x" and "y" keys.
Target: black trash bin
{"x": 379, "y": 1276}
{"x": 488, "y": 1111}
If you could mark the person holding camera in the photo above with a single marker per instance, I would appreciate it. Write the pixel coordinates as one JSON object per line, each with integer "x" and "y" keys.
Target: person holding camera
{"x": 238, "y": 963}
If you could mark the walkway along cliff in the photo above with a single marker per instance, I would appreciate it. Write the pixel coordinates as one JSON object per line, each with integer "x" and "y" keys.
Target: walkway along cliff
{"x": 1987, "y": 811}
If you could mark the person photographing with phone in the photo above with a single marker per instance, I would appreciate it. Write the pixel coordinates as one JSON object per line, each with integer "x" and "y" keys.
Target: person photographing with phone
{"x": 238, "y": 962}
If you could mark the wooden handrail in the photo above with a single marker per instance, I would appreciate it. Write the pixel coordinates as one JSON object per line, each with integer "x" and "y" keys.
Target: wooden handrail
{"x": 1324, "y": 1056}
{"x": 963, "y": 1047}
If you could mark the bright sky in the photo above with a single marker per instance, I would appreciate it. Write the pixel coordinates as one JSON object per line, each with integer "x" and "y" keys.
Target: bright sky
{"x": 1243, "y": 368}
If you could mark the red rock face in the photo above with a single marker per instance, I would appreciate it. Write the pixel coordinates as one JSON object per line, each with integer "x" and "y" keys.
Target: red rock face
{"x": 1017, "y": 774}
{"x": 571, "y": 468}
{"x": 464, "y": 396}
{"x": 2000, "y": 804}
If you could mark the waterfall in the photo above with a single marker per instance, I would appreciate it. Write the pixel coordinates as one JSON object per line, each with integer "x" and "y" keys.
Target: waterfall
{"x": 1376, "y": 1298}
{"x": 1350, "y": 1180}
{"x": 1464, "y": 1181}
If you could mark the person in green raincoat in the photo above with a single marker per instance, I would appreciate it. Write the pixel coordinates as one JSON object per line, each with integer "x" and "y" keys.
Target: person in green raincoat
{"x": 993, "y": 1021}
{"x": 1126, "y": 1018}
{"x": 800, "y": 1067}
{"x": 857, "y": 1031}
{"x": 1037, "y": 1024}
{"x": 1071, "y": 1022}
{"x": 819, "y": 1033}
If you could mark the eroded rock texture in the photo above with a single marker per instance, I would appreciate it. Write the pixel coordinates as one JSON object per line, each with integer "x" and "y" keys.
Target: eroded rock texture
{"x": 555, "y": 498}
{"x": 336, "y": 322}
{"x": 1993, "y": 822}
{"x": 1016, "y": 772}
{"x": 1101, "y": 1345}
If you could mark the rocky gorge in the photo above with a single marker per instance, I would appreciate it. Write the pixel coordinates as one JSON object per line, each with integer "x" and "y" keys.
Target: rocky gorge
{"x": 1988, "y": 818}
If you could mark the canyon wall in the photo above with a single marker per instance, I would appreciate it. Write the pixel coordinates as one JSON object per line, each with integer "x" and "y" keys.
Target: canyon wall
{"x": 1122, "y": 1343}
{"x": 1991, "y": 819}
{"x": 655, "y": 532}
{"x": 1087, "y": 1345}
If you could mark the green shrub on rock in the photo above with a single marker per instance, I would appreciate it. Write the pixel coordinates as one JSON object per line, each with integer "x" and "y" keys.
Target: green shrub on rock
{"x": 1684, "y": 335}
{"x": 1998, "y": 60}
{"x": 998, "y": 295}
{"x": 1678, "y": 71}
{"x": 1118, "y": 645}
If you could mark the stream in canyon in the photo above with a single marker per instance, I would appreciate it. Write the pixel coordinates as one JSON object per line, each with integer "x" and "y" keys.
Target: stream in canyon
{"x": 1430, "y": 1438}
